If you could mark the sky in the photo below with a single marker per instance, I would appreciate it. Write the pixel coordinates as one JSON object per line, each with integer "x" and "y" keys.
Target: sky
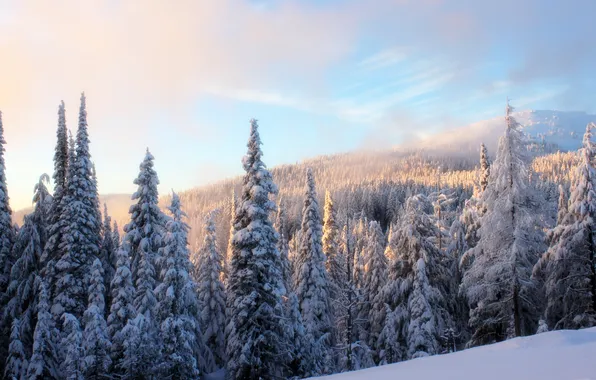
{"x": 183, "y": 78}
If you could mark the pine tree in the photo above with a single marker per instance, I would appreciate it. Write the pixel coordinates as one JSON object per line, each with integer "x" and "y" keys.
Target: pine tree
{"x": 228, "y": 256}
{"x": 81, "y": 239}
{"x": 334, "y": 261}
{"x": 312, "y": 287}
{"x": 375, "y": 278}
{"x": 96, "y": 343}
{"x": 141, "y": 349}
{"x": 72, "y": 344}
{"x": 211, "y": 293}
{"x": 7, "y": 235}
{"x": 28, "y": 248}
{"x": 16, "y": 364}
{"x": 108, "y": 256}
{"x": 57, "y": 222}
{"x": 484, "y": 168}
{"x": 122, "y": 309}
{"x": 254, "y": 306}
{"x": 116, "y": 237}
{"x": 568, "y": 268}
{"x": 301, "y": 355}
{"x": 144, "y": 236}
{"x": 283, "y": 247}
{"x": 43, "y": 363}
{"x": 177, "y": 308}
{"x": 503, "y": 299}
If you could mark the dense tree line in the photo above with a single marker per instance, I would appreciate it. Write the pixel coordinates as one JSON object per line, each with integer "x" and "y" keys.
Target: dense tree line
{"x": 280, "y": 279}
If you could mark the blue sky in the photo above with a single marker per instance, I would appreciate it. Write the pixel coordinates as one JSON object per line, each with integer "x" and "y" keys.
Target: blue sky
{"x": 322, "y": 76}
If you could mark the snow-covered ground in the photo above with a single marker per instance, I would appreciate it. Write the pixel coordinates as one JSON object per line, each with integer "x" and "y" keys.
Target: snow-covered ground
{"x": 558, "y": 355}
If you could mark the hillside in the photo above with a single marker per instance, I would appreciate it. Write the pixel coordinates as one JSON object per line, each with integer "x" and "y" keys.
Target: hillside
{"x": 557, "y": 355}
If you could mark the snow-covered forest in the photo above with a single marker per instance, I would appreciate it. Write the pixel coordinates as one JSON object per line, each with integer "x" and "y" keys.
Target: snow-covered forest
{"x": 333, "y": 265}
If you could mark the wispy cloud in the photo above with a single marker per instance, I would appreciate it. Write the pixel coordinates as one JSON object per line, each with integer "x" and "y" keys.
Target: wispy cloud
{"x": 384, "y": 59}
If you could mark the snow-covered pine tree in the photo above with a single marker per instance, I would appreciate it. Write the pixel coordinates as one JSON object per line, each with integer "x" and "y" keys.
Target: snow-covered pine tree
{"x": 334, "y": 262}
{"x": 28, "y": 248}
{"x": 228, "y": 255}
{"x": 178, "y": 308}
{"x": 72, "y": 345}
{"x": 81, "y": 239}
{"x": 144, "y": 237}
{"x": 484, "y": 167}
{"x": 254, "y": 305}
{"x": 7, "y": 236}
{"x": 57, "y": 223}
{"x": 108, "y": 256}
{"x": 121, "y": 309}
{"x": 568, "y": 268}
{"x": 415, "y": 298}
{"x": 503, "y": 298}
{"x": 375, "y": 278}
{"x": 299, "y": 363}
{"x": 283, "y": 247}
{"x": 43, "y": 364}
{"x": 141, "y": 350}
{"x": 311, "y": 283}
{"x": 211, "y": 294}
{"x": 96, "y": 343}
{"x": 16, "y": 363}
{"x": 116, "y": 237}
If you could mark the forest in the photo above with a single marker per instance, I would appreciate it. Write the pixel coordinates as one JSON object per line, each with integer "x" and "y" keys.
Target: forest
{"x": 335, "y": 264}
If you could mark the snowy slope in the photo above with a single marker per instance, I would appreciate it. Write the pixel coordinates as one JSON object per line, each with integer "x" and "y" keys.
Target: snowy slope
{"x": 558, "y": 355}
{"x": 562, "y": 130}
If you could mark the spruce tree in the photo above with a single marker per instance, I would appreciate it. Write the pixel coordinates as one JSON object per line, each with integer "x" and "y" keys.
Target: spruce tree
{"x": 121, "y": 309}
{"x": 312, "y": 286}
{"x": 7, "y": 235}
{"x": 254, "y": 307}
{"x": 228, "y": 255}
{"x": 177, "y": 308}
{"x": 81, "y": 239}
{"x": 283, "y": 247}
{"x": 96, "y": 343}
{"x": 568, "y": 268}
{"x": 334, "y": 262}
{"x": 43, "y": 363}
{"x": 211, "y": 293}
{"x": 28, "y": 248}
{"x": 503, "y": 298}
{"x": 108, "y": 256}
{"x": 375, "y": 278}
{"x": 57, "y": 223}
{"x": 72, "y": 345}
{"x": 16, "y": 364}
{"x": 144, "y": 236}
{"x": 484, "y": 168}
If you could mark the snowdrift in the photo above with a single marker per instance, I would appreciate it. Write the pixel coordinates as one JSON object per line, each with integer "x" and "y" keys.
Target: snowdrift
{"x": 557, "y": 355}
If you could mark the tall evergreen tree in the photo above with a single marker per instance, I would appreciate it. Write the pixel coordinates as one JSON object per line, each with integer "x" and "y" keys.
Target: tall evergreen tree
{"x": 96, "y": 343}
{"x": 484, "y": 167}
{"x": 57, "y": 223}
{"x": 81, "y": 238}
{"x": 43, "y": 363}
{"x": 211, "y": 294}
{"x": 121, "y": 309}
{"x": 334, "y": 262}
{"x": 254, "y": 305}
{"x": 28, "y": 248}
{"x": 311, "y": 284}
{"x": 16, "y": 364}
{"x": 283, "y": 246}
{"x": 108, "y": 256}
{"x": 503, "y": 299}
{"x": 228, "y": 255}
{"x": 144, "y": 235}
{"x": 7, "y": 236}
{"x": 177, "y": 308}
{"x": 72, "y": 345}
{"x": 568, "y": 268}
{"x": 375, "y": 278}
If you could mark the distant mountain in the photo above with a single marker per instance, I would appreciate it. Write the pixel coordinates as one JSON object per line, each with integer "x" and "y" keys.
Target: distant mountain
{"x": 549, "y": 130}
{"x": 118, "y": 205}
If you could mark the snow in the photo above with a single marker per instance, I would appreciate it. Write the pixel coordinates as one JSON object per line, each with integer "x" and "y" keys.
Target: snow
{"x": 557, "y": 355}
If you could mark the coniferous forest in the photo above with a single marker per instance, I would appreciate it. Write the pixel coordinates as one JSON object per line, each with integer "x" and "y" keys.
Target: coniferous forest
{"x": 298, "y": 271}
